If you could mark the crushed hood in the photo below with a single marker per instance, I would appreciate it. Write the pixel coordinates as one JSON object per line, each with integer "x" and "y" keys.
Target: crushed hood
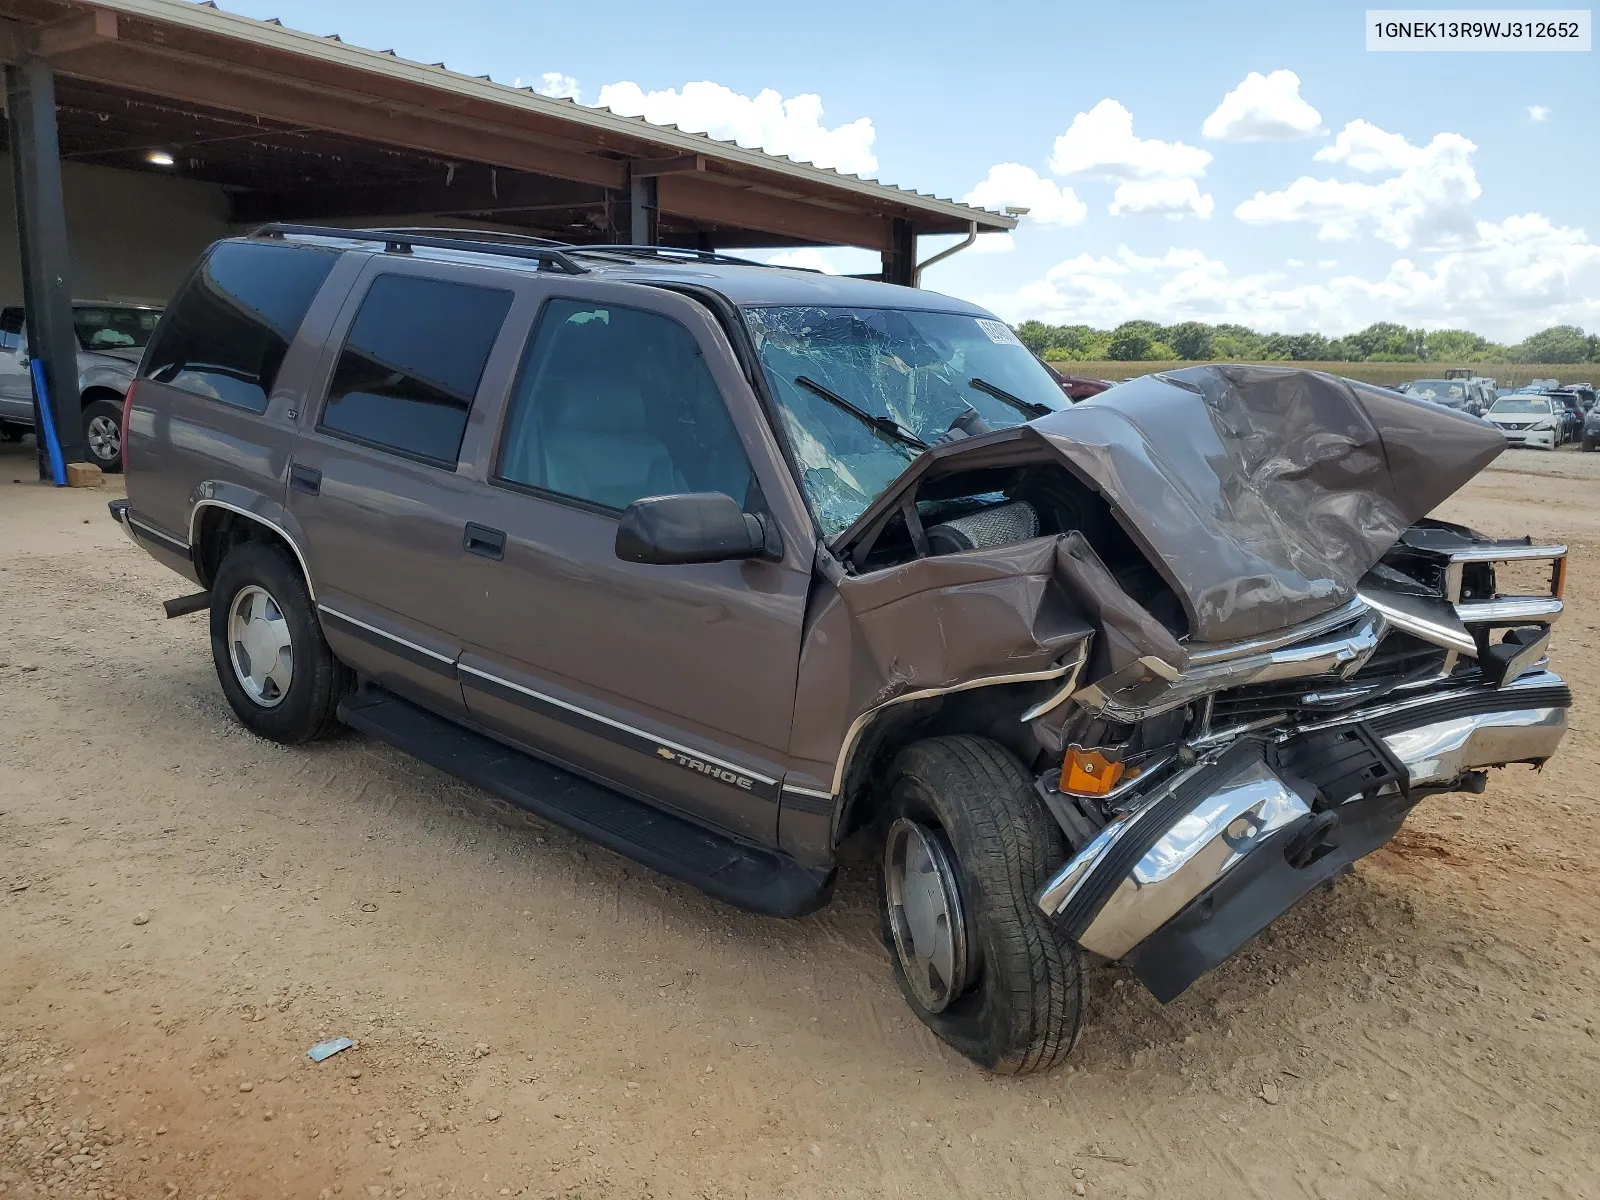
{"x": 1262, "y": 494}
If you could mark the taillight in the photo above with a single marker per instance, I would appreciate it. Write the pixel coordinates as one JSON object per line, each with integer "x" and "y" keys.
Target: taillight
{"x": 127, "y": 407}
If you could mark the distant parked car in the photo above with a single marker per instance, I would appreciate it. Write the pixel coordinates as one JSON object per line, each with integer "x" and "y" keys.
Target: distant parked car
{"x": 1529, "y": 420}
{"x": 111, "y": 339}
{"x": 1591, "y": 430}
{"x": 1081, "y": 387}
{"x": 1584, "y": 393}
{"x": 1458, "y": 394}
{"x": 1572, "y": 427}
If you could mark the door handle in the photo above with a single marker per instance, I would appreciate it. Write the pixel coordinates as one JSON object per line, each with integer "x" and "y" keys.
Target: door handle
{"x": 305, "y": 479}
{"x": 484, "y": 542}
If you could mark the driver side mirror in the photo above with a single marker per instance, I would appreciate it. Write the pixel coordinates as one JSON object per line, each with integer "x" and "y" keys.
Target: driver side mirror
{"x": 693, "y": 527}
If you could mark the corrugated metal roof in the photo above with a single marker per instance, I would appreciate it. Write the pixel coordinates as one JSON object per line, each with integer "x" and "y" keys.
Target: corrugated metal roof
{"x": 208, "y": 18}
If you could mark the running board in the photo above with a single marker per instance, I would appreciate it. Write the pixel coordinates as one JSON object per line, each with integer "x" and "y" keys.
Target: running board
{"x": 748, "y": 877}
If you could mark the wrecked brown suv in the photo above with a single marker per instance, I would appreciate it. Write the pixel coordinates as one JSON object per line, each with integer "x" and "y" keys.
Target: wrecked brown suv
{"x": 721, "y": 564}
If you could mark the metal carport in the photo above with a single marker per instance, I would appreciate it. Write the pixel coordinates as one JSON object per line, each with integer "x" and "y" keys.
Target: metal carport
{"x": 271, "y": 123}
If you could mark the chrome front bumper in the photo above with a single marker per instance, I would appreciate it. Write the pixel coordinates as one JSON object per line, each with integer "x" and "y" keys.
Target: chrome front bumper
{"x": 1230, "y": 814}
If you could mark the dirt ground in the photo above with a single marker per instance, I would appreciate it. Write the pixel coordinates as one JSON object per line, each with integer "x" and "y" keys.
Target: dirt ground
{"x": 184, "y": 910}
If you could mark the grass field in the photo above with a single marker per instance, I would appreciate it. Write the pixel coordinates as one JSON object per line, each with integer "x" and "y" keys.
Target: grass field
{"x": 1388, "y": 374}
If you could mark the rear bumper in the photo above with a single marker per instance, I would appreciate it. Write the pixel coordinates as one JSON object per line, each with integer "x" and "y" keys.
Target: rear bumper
{"x": 1180, "y": 882}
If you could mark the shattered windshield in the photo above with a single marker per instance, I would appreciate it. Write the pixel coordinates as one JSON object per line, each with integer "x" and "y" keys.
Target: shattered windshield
{"x": 904, "y": 372}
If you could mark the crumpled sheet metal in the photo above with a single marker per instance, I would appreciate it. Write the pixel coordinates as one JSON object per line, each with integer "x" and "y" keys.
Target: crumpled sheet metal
{"x": 1265, "y": 493}
{"x": 929, "y": 624}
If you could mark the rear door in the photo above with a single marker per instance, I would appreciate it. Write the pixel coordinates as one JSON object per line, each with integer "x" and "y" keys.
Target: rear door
{"x": 672, "y": 682}
{"x": 376, "y": 481}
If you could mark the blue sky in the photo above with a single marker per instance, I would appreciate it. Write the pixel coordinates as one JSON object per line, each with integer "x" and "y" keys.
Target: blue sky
{"x": 1466, "y": 196}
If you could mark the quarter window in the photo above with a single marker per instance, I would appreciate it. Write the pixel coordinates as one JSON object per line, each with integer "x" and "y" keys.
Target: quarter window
{"x": 228, "y": 328}
{"x": 411, "y": 365}
{"x": 617, "y": 403}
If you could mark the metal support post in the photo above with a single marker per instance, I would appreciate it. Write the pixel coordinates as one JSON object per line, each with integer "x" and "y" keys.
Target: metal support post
{"x": 42, "y": 237}
{"x": 644, "y": 224}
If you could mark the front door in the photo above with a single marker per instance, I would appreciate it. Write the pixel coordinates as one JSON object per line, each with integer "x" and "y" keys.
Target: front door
{"x": 374, "y": 482}
{"x": 671, "y": 682}
{"x": 16, "y": 382}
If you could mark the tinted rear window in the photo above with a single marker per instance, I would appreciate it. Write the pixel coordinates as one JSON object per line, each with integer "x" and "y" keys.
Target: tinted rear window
{"x": 411, "y": 365}
{"x": 228, "y": 328}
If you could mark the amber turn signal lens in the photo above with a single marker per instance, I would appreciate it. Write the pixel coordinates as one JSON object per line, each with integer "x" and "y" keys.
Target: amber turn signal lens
{"x": 1088, "y": 773}
{"x": 1558, "y": 577}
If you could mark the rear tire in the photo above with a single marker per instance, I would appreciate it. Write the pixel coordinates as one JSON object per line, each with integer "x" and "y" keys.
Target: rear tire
{"x": 102, "y": 435}
{"x": 1588, "y": 446}
{"x": 968, "y": 807}
{"x": 260, "y": 606}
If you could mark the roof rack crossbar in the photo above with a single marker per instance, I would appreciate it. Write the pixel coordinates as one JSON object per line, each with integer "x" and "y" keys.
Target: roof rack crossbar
{"x": 507, "y": 236}
{"x": 401, "y": 241}
{"x": 689, "y": 252}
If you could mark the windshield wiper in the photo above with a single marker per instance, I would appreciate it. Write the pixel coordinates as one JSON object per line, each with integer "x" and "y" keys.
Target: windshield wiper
{"x": 1016, "y": 402}
{"x": 886, "y": 425}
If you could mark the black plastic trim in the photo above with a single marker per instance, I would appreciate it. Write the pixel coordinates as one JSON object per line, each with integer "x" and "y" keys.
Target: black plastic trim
{"x": 139, "y": 527}
{"x": 389, "y": 642}
{"x": 751, "y": 877}
{"x": 1555, "y": 695}
{"x": 1260, "y": 889}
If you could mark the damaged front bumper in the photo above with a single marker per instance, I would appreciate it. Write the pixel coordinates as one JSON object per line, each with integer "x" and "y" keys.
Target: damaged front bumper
{"x": 1213, "y": 854}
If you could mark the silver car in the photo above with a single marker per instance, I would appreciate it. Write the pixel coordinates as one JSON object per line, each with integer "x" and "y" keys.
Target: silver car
{"x": 111, "y": 339}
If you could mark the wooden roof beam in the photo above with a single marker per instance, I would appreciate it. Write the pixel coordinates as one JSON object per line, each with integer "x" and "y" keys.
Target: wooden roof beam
{"x": 704, "y": 198}
{"x": 472, "y": 190}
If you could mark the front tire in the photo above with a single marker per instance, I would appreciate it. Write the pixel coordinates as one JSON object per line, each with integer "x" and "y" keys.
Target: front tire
{"x": 102, "y": 435}
{"x": 274, "y": 665}
{"x": 967, "y": 845}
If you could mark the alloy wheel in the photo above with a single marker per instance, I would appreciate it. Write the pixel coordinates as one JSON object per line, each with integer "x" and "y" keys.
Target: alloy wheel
{"x": 925, "y": 914}
{"x": 104, "y": 438}
{"x": 259, "y": 646}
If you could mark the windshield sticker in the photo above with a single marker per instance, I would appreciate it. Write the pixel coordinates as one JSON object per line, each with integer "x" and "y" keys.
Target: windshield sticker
{"x": 999, "y": 332}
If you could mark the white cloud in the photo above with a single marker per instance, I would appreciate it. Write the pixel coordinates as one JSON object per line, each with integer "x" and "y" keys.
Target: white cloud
{"x": 1362, "y": 146}
{"x": 1166, "y": 197}
{"x": 1293, "y": 262}
{"x": 1538, "y": 112}
{"x": 1327, "y": 264}
{"x": 1047, "y": 202}
{"x": 1264, "y": 108}
{"x": 1514, "y": 277}
{"x": 1101, "y": 143}
{"x": 792, "y": 126}
{"x": 554, "y": 83}
{"x": 1425, "y": 203}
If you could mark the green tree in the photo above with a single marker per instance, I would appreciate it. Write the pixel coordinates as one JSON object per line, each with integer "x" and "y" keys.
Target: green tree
{"x": 1037, "y": 336}
{"x": 1558, "y": 344}
{"x": 1453, "y": 345}
{"x": 1385, "y": 341}
{"x": 1191, "y": 339}
{"x": 1129, "y": 343}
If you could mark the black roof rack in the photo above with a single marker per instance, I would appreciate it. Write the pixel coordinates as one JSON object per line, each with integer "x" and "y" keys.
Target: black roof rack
{"x": 679, "y": 252}
{"x": 401, "y": 241}
{"x": 453, "y": 231}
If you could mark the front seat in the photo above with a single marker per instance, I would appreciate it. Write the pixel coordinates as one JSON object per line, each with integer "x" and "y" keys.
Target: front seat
{"x": 597, "y": 445}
